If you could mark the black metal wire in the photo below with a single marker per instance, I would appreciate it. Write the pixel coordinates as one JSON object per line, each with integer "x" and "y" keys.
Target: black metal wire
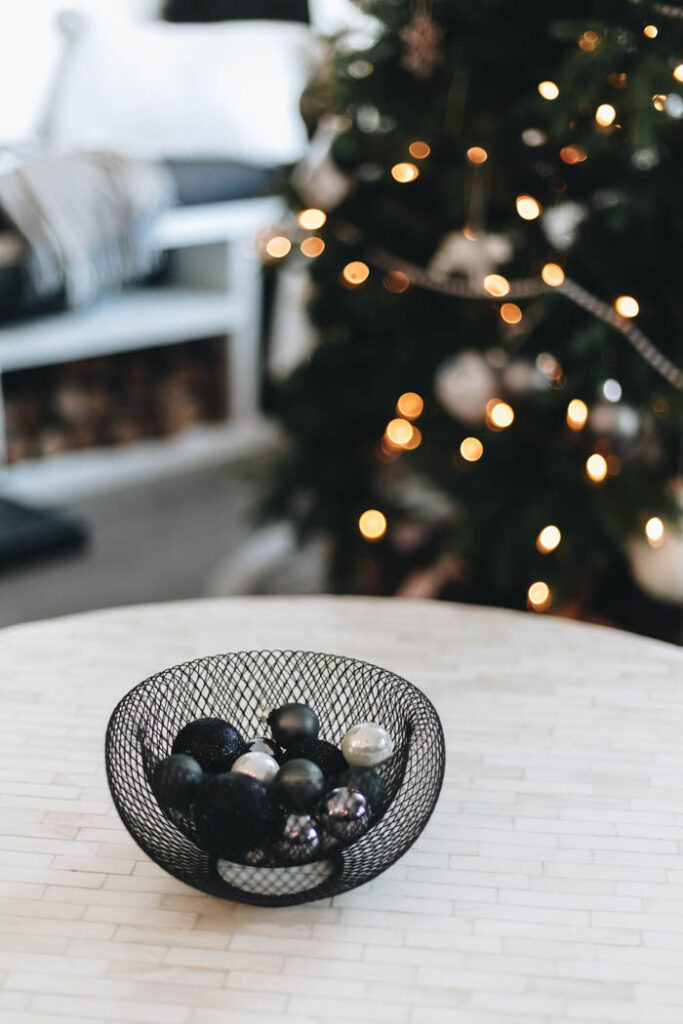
{"x": 238, "y": 687}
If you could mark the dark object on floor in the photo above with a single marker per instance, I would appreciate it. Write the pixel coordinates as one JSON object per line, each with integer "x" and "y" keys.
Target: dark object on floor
{"x": 233, "y": 10}
{"x": 239, "y": 686}
{"x": 27, "y": 534}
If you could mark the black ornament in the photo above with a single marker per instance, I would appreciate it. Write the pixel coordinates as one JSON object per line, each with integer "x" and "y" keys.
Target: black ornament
{"x": 368, "y": 782}
{"x": 327, "y": 757}
{"x": 292, "y": 723}
{"x": 211, "y": 741}
{"x": 234, "y": 814}
{"x": 299, "y": 785}
{"x": 345, "y": 814}
{"x": 300, "y": 840}
{"x": 263, "y": 745}
{"x": 176, "y": 782}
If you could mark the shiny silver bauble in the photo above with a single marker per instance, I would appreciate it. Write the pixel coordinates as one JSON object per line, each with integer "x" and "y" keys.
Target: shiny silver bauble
{"x": 346, "y": 814}
{"x": 262, "y": 767}
{"x": 300, "y": 840}
{"x": 367, "y": 745}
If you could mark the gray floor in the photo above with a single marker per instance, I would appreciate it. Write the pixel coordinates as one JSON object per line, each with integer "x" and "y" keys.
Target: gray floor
{"x": 157, "y": 542}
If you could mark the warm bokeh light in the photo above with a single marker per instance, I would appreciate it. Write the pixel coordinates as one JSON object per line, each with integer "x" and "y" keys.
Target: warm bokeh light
{"x": 312, "y": 246}
{"x": 471, "y": 449}
{"x": 548, "y": 90}
{"x": 278, "y": 246}
{"x": 356, "y": 272}
{"x": 404, "y": 172}
{"x": 415, "y": 440}
{"x": 470, "y": 232}
{"x": 553, "y": 274}
{"x": 419, "y": 150}
{"x": 548, "y": 539}
{"x": 496, "y": 285}
{"x": 589, "y": 40}
{"x": 596, "y": 467}
{"x": 573, "y": 154}
{"x": 528, "y": 208}
{"x": 477, "y": 155}
{"x": 605, "y": 115}
{"x": 549, "y": 366}
{"x": 651, "y": 31}
{"x": 396, "y": 281}
{"x": 577, "y": 414}
{"x": 399, "y": 431}
{"x": 538, "y": 596}
{"x": 410, "y": 405}
{"x": 510, "y": 313}
{"x": 627, "y": 306}
{"x": 654, "y": 531}
{"x": 659, "y": 101}
{"x": 678, "y": 72}
{"x": 372, "y": 524}
{"x": 499, "y": 414}
{"x": 311, "y": 219}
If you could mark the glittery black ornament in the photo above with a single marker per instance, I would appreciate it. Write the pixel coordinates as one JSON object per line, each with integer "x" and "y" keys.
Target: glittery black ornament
{"x": 293, "y": 722}
{"x": 234, "y": 814}
{"x": 368, "y": 782}
{"x": 299, "y": 785}
{"x": 211, "y": 741}
{"x": 263, "y": 745}
{"x": 176, "y": 782}
{"x": 327, "y": 757}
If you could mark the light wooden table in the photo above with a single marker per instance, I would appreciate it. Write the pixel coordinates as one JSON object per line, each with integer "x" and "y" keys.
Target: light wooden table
{"x": 548, "y": 886}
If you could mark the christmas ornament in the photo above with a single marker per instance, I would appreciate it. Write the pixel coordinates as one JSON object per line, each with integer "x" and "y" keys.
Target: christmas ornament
{"x": 615, "y": 419}
{"x": 328, "y": 757}
{"x": 263, "y": 745}
{"x": 176, "y": 782}
{"x": 474, "y": 258}
{"x": 293, "y": 722}
{"x": 421, "y": 40}
{"x": 367, "y": 744}
{"x": 300, "y": 840}
{"x": 464, "y": 384}
{"x": 262, "y": 767}
{"x": 345, "y": 814}
{"x": 234, "y": 814}
{"x": 212, "y": 742}
{"x": 299, "y": 784}
{"x": 368, "y": 782}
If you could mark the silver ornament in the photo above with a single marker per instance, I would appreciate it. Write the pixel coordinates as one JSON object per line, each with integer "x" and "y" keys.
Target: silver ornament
{"x": 300, "y": 840}
{"x": 464, "y": 384}
{"x": 366, "y": 745}
{"x": 262, "y": 767}
{"x": 346, "y": 814}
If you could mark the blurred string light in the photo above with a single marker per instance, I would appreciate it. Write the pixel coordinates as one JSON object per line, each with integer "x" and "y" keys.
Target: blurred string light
{"x": 496, "y": 285}
{"x": 548, "y": 539}
{"x": 596, "y": 467}
{"x": 651, "y": 31}
{"x": 573, "y": 154}
{"x": 539, "y": 596}
{"x": 577, "y": 414}
{"x": 311, "y": 219}
{"x": 659, "y": 100}
{"x": 312, "y": 246}
{"x": 553, "y": 274}
{"x": 533, "y": 137}
{"x": 678, "y": 72}
{"x": 410, "y": 405}
{"x": 372, "y": 524}
{"x": 528, "y": 208}
{"x": 278, "y": 246}
{"x": 618, "y": 79}
{"x": 396, "y": 281}
{"x": 605, "y": 114}
{"x": 477, "y": 155}
{"x": 419, "y": 150}
{"x": 399, "y": 431}
{"x": 415, "y": 440}
{"x": 499, "y": 415}
{"x": 404, "y": 172}
{"x": 471, "y": 449}
{"x": 611, "y": 389}
{"x": 627, "y": 306}
{"x": 548, "y": 90}
{"x": 589, "y": 40}
{"x": 549, "y": 366}
{"x": 510, "y": 313}
{"x": 654, "y": 532}
{"x": 356, "y": 272}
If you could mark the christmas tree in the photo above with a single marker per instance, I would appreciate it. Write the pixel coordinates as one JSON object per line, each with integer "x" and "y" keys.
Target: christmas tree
{"x": 493, "y": 409}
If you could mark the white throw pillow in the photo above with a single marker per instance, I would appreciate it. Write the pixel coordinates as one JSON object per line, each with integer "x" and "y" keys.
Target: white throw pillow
{"x": 154, "y": 89}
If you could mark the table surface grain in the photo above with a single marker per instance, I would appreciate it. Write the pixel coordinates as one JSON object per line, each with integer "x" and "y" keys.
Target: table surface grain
{"x": 548, "y": 886}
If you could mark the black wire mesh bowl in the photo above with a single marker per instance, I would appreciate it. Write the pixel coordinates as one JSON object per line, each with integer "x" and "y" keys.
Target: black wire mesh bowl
{"x": 240, "y": 687}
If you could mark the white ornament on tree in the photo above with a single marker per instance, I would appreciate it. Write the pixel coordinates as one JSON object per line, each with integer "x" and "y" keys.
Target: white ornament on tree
{"x": 475, "y": 258}
{"x": 464, "y": 384}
